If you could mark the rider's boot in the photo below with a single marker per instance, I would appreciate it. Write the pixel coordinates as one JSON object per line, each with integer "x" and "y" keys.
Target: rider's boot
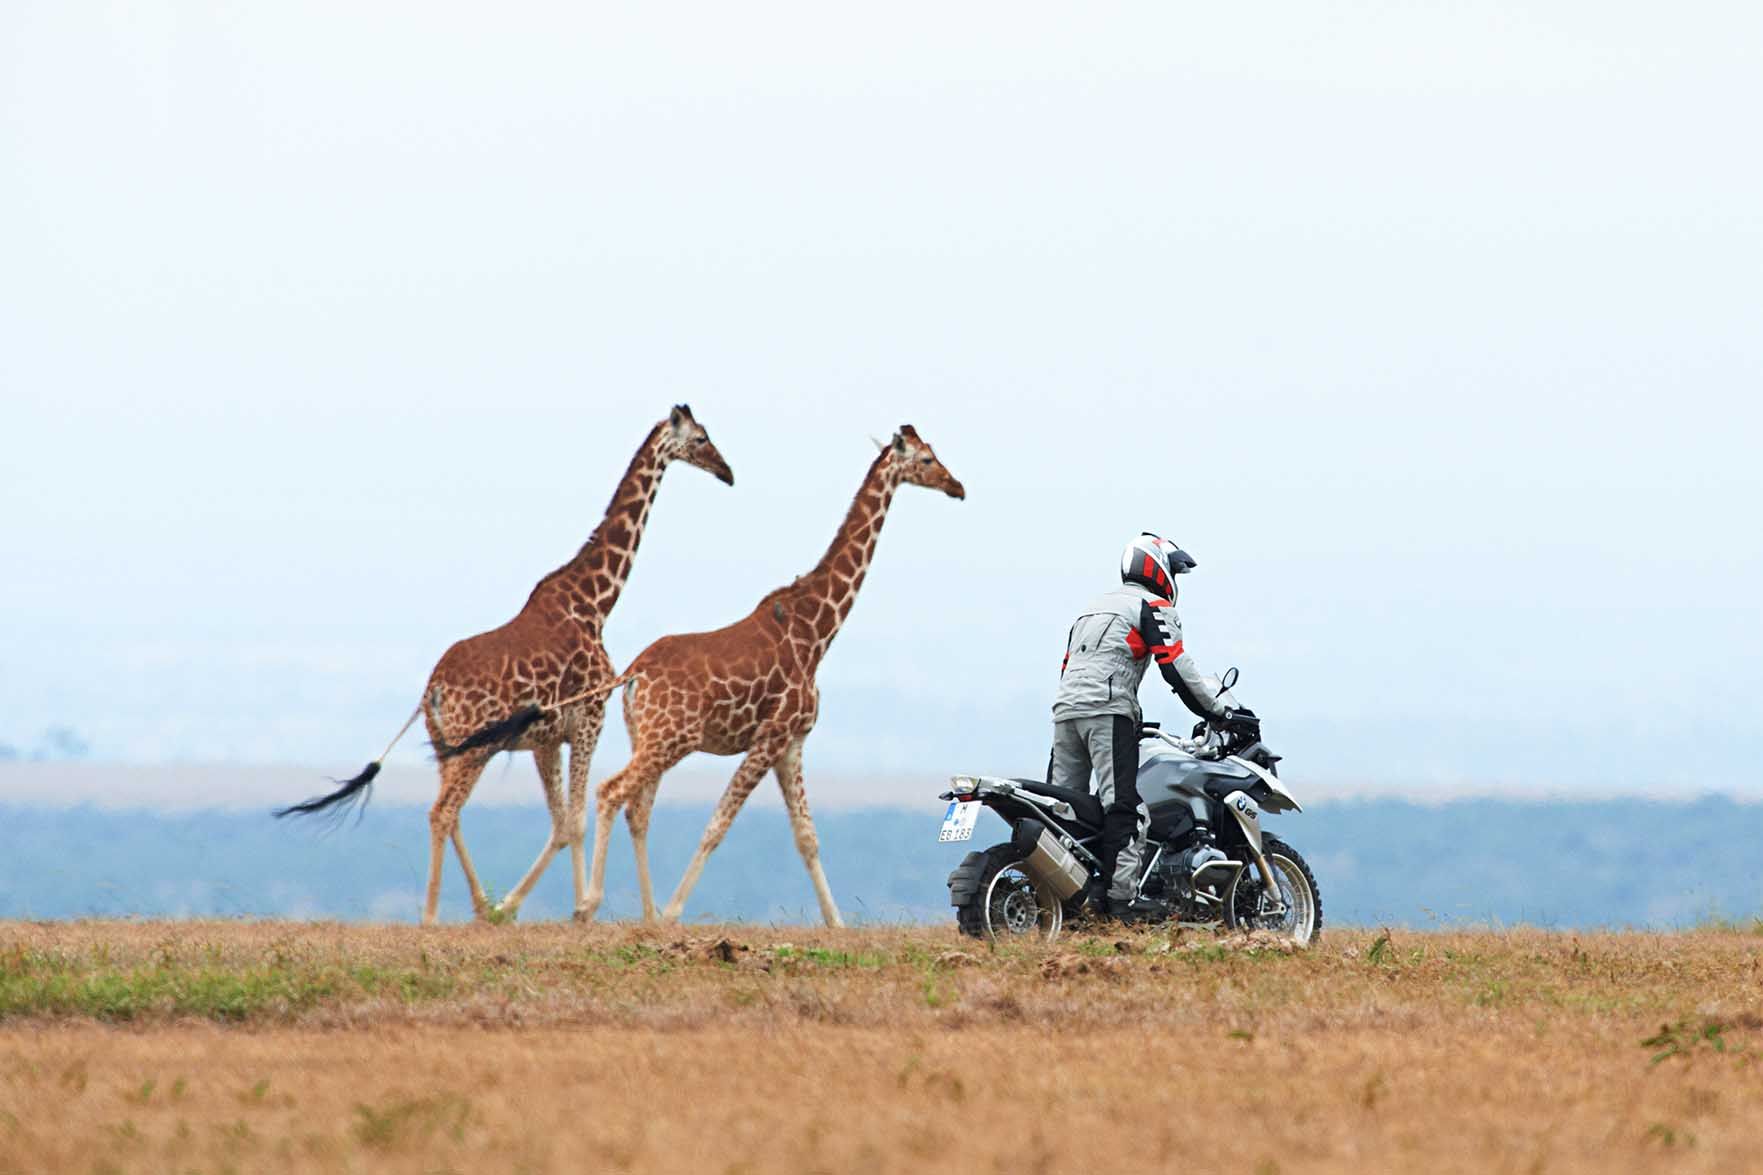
{"x": 1136, "y": 910}
{"x": 1096, "y": 891}
{"x": 1092, "y": 903}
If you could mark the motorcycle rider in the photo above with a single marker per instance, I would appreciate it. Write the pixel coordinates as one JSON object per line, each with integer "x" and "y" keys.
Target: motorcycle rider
{"x": 1096, "y": 714}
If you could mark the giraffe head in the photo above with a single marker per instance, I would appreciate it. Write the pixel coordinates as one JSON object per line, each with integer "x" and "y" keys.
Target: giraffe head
{"x": 909, "y": 459}
{"x": 684, "y": 439}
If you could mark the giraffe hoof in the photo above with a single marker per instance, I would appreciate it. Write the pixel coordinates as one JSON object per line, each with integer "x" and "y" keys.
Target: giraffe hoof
{"x": 582, "y": 916}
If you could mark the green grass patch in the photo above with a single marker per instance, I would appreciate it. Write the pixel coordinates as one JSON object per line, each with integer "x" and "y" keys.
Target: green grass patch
{"x": 412, "y": 1120}
{"x": 127, "y": 995}
{"x": 1686, "y": 1038}
{"x": 825, "y": 957}
{"x": 402, "y": 983}
{"x": 57, "y": 988}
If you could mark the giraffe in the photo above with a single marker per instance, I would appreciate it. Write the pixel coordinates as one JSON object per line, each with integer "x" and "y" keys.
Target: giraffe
{"x": 749, "y": 688}
{"x": 551, "y": 652}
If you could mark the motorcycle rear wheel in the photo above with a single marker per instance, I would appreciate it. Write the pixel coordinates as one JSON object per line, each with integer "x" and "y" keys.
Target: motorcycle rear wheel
{"x": 1008, "y": 905}
{"x": 1302, "y": 919}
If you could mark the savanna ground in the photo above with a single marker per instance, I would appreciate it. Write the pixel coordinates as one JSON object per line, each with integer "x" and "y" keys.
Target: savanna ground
{"x": 248, "y": 1047}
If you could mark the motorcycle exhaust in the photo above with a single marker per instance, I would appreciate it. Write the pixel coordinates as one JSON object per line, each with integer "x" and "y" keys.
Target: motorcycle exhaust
{"x": 1047, "y": 861}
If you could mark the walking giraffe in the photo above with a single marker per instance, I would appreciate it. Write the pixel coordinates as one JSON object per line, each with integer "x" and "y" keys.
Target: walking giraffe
{"x": 546, "y": 667}
{"x": 750, "y": 688}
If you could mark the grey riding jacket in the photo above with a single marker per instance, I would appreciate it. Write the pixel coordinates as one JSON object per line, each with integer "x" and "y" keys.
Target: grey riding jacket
{"x": 1107, "y": 650}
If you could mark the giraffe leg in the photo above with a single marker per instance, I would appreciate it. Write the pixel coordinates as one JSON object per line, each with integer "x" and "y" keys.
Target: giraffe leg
{"x": 604, "y": 809}
{"x": 549, "y": 760}
{"x": 458, "y": 777}
{"x": 636, "y": 815}
{"x": 642, "y": 774}
{"x": 747, "y": 777}
{"x": 581, "y": 754}
{"x": 480, "y": 901}
{"x": 437, "y": 857}
{"x": 789, "y": 779}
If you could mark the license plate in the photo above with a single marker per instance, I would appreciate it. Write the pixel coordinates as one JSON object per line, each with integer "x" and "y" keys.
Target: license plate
{"x": 959, "y": 820}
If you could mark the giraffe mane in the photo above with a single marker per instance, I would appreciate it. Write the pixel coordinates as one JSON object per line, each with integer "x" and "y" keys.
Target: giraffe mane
{"x": 587, "y": 548}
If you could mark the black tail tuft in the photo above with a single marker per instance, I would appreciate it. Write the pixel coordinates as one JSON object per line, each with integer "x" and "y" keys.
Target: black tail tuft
{"x": 497, "y": 736}
{"x": 348, "y": 794}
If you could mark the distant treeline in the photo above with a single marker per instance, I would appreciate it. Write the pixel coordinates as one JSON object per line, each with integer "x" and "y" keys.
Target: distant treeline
{"x": 1607, "y": 863}
{"x": 58, "y": 742}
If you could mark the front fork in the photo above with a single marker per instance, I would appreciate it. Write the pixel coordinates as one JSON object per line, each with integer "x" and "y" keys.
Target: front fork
{"x": 1248, "y": 817}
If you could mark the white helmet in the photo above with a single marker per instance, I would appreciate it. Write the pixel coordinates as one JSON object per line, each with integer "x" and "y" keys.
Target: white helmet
{"x": 1153, "y": 563}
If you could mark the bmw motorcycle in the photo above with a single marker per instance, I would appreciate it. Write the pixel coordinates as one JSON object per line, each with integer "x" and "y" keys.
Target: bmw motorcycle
{"x": 1207, "y": 859}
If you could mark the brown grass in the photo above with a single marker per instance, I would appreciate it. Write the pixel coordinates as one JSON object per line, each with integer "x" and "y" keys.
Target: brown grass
{"x": 280, "y": 1047}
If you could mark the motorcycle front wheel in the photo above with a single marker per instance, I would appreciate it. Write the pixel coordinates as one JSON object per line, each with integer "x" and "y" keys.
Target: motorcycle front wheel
{"x": 1298, "y": 913}
{"x": 1007, "y": 904}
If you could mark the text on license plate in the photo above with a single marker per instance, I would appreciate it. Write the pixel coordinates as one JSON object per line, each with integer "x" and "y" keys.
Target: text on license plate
{"x": 959, "y": 820}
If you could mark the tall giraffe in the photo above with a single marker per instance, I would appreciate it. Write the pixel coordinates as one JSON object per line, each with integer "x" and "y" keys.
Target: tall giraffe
{"x": 750, "y": 688}
{"x": 550, "y": 653}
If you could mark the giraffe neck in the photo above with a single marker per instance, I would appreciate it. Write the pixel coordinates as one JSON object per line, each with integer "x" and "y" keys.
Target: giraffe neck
{"x": 835, "y": 580}
{"x": 595, "y": 577}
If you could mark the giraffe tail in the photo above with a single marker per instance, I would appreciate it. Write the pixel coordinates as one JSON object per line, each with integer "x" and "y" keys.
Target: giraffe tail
{"x": 500, "y": 735}
{"x": 349, "y": 792}
{"x": 504, "y": 733}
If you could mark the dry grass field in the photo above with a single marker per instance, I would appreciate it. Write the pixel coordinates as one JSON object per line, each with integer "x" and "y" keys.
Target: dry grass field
{"x": 265, "y": 1047}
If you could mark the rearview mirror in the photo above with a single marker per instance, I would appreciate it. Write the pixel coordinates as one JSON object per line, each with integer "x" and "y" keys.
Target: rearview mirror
{"x": 1229, "y": 680}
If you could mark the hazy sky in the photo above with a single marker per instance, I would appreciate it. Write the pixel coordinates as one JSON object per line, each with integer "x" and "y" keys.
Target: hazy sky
{"x": 1432, "y": 330}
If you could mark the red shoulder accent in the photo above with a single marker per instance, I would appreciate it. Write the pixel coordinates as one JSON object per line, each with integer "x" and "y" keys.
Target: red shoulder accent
{"x": 1136, "y": 644}
{"x": 1160, "y": 603}
{"x": 1167, "y": 653}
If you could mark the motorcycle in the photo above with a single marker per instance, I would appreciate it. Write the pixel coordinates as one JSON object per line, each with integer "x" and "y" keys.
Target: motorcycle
{"x": 1207, "y": 860}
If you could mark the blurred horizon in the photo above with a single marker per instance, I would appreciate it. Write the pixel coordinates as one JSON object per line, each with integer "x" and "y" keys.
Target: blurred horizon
{"x": 510, "y": 782}
{"x": 1577, "y": 864}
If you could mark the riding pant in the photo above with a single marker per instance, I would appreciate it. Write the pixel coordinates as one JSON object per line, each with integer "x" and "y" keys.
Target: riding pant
{"x": 1108, "y": 746}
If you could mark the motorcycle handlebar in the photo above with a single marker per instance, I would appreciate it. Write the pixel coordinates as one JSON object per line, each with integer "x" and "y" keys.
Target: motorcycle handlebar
{"x": 1180, "y": 744}
{"x": 1201, "y": 745}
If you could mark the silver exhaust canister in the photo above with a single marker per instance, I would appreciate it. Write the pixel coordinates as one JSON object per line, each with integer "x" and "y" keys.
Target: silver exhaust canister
{"x": 1047, "y": 861}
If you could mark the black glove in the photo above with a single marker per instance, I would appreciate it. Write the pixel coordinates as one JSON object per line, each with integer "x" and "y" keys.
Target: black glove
{"x": 1243, "y": 724}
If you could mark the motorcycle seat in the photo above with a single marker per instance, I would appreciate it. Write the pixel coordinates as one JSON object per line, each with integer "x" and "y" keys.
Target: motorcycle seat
{"x": 1086, "y": 805}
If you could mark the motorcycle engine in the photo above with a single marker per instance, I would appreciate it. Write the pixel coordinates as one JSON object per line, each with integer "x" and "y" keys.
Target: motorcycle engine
{"x": 1178, "y": 881}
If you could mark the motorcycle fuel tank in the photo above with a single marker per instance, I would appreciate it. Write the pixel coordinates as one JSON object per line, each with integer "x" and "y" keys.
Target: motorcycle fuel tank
{"x": 1178, "y": 789}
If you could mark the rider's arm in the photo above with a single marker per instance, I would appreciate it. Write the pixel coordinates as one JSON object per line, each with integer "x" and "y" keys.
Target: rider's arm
{"x": 1162, "y": 629}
